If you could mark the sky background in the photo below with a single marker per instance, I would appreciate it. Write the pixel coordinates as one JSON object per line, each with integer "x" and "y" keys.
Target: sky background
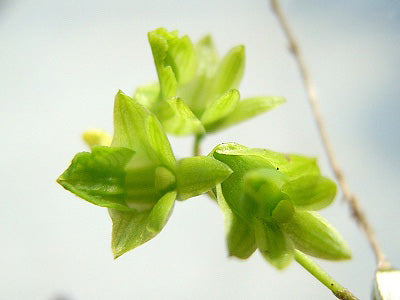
{"x": 61, "y": 63}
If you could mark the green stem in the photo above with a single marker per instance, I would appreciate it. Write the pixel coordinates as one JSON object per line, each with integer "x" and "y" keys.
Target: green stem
{"x": 196, "y": 145}
{"x": 307, "y": 263}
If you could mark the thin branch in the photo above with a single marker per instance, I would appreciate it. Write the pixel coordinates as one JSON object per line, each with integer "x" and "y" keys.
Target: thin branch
{"x": 196, "y": 145}
{"x": 307, "y": 263}
{"x": 355, "y": 206}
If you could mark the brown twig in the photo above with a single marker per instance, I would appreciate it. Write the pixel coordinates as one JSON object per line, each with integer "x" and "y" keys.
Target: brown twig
{"x": 356, "y": 210}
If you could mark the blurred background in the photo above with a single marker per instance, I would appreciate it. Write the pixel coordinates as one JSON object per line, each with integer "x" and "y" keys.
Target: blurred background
{"x": 61, "y": 62}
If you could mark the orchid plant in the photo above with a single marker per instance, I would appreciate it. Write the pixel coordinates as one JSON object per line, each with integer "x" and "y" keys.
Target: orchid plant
{"x": 268, "y": 199}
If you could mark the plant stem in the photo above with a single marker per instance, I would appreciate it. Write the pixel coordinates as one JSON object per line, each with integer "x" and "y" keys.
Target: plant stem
{"x": 355, "y": 206}
{"x": 196, "y": 145}
{"x": 307, "y": 263}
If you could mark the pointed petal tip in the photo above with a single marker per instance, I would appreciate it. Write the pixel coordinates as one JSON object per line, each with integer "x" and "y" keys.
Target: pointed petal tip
{"x": 117, "y": 253}
{"x": 240, "y": 48}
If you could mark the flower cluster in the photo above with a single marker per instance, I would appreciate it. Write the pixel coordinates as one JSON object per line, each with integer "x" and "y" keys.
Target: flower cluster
{"x": 197, "y": 91}
{"x": 268, "y": 198}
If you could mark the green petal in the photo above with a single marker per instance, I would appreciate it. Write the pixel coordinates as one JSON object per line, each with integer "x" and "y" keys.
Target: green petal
{"x": 168, "y": 83}
{"x": 273, "y": 244}
{"x": 136, "y": 128}
{"x": 219, "y": 109}
{"x": 291, "y": 165}
{"x": 274, "y": 159}
{"x": 199, "y": 174}
{"x": 181, "y": 56}
{"x": 299, "y": 165}
{"x": 132, "y": 229}
{"x": 197, "y": 92}
{"x": 230, "y": 71}
{"x": 311, "y": 192}
{"x": 263, "y": 191}
{"x": 129, "y": 117}
{"x": 233, "y": 187}
{"x": 313, "y": 235}
{"x": 251, "y": 107}
{"x": 161, "y": 212}
{"x": 177, "y": 118}
{"x": 99, "y": 177}
{"x": 240, "y": 236}
{"x": 159, "y": 45}
{"x": 206, "y": 56}
{"x": 159, "y": 143}
{"x": 147, "y": 95}
{"x": 173, "y": 57}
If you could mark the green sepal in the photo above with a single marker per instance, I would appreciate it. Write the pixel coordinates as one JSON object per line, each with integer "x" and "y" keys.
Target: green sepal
{"x": 158, "y": 141}
{"x": 197, "y": 93}
{"x": 230, "y": 71}
{"x": 206, "y": 56}
{"x": 273, "y": 244}
{"x": 99, "y": 177}
{"x": 219, "y": 109}
{"x": 177, "y": 118}
{"x": 299, "y": 165}
{"x": 251, "y": 107}
{"x": 283, "y": 212}
{"x": 161, "y": 212}
{"x": 233, "y": 187}
{"x": 240, "y": 236}
{"x": 147, "y": 95}
{"x": 129, "y": 117}
{"x": 292, "y": 165}
{"x": 263, "y": 188}
{"x": 132, "y": 229}
{"x": 312, "y": 192}
{"x": 199, "y": 174}
{"x": 174, "y": 58}
{"x": 136, "y": 128}
{"x": 168, "y": 83}
{"x": 313, "y": 235}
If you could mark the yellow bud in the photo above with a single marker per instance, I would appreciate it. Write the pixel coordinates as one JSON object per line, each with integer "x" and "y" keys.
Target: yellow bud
{"x": 96, "y": 137}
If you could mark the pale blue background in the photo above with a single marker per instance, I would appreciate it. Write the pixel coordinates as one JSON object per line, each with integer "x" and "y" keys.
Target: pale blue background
{"x": 61, "y": 62}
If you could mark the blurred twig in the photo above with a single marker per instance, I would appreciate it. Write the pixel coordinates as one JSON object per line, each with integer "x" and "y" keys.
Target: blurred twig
{"x": 356, "y": 209}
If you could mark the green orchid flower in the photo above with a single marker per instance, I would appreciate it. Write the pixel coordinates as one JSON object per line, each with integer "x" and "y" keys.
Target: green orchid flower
{"x": 269, "y": 204}
{"x": 137, "y": 176}
{"x": 197, "y": 91}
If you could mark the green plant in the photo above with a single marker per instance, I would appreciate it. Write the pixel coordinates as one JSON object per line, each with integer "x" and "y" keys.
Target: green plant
{"x": 268, "y": 198}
